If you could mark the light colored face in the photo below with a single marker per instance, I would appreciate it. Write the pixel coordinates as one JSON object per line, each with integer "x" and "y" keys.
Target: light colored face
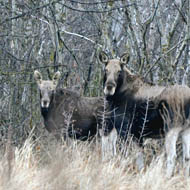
{"x": 46, "y": 87}
{"x": 112, "y": 73}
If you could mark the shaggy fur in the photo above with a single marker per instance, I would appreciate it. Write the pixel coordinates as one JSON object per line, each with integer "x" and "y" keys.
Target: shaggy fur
{"x": 145, "y": 110}
{"x": 68, "y": 113}
{"x": 79, "y": 114}
{"x": 133, "y": 105}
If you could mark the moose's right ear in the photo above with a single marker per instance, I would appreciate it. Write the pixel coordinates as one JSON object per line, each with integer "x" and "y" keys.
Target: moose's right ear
{"x": 38, "y": 76}
{"x": 56, "y": 77}
{"x": 103, "y": 57}
{"x": 125, "y": 58}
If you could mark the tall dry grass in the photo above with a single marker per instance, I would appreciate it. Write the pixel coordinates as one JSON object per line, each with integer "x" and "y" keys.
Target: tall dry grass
{"x": 47, "y": 165}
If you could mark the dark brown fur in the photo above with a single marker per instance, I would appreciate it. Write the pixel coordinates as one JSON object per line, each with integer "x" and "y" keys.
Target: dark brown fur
{"x": 145, "y": 110}
{"x": 72, "y": 113}
{"x": 136, "y": 100}
{"x": 68, "y": 112}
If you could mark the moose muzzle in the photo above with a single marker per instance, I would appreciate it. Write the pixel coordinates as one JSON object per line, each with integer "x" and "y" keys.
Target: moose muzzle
{"x": 109, "y": 89}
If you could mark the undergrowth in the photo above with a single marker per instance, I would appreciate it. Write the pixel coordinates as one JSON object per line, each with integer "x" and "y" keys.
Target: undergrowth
{"x": 48, "y": 165}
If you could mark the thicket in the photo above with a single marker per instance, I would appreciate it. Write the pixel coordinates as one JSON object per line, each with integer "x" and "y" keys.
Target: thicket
{"x": 67, "y": 36}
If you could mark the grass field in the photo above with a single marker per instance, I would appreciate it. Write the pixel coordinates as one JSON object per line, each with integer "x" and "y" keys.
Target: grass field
{"x": 48, "y": 165}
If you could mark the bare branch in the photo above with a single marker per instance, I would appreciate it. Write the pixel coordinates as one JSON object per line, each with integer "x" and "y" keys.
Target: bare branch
{"x": 81, "y": 36}
{"x": 158, "y": 59}
{"x": 95, "y": 11}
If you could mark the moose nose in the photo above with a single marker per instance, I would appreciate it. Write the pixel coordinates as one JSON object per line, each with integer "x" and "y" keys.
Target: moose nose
{"x": 109, "y": 87}
{"x": 45, "y": 104}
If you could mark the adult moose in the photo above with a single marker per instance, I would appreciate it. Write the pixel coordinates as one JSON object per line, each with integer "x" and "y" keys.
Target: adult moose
{"x": 145, "y": 110}
{"x": 66, "y": 112}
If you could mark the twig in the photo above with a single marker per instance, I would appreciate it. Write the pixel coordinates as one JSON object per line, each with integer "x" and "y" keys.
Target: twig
{"x": 30, "y": 70}
{"x": 158, "y": 59}
{"x": 29, "y": 12}
{"x": 94, "y": 3}
{"x": 94, "y": 11}
{"x": 80, "y": 36}
{"x": 145, "y": 120}
{"x": 179, "y": 10}
{"x": 147, "y": 25}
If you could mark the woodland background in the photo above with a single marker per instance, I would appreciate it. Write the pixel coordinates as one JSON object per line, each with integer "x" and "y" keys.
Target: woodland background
{"x": 67, "y": 35}
{"x": 53, "y": 35}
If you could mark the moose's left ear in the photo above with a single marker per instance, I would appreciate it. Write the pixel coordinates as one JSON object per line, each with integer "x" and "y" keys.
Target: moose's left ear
{"x": 56, "y": 77}
{"x": 38, "y": 77}
{"x": 125, "y": 58}
{"x": 103, "y": 57}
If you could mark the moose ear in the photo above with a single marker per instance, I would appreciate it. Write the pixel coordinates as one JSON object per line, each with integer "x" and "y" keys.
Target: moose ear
{"x": 103, "y": 57}
{"x": 56, "y": 77}
{"x": 38, "y": 76}
{"x": 125, "y": 58}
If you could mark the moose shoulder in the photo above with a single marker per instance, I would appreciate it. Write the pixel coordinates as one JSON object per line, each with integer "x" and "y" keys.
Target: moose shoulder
{"x": 65, "y": 111}
{"x": 145, "y": 110}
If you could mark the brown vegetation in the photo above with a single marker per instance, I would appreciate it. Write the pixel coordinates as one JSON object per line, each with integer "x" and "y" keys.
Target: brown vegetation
{"x": 66, "y": 36}
{"x": 46, "y": 166}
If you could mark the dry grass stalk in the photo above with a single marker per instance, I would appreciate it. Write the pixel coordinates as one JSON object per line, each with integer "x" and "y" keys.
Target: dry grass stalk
{"x": 79, "y": 166}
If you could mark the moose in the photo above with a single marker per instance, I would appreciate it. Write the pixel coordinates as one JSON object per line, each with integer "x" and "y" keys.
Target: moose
{"x": 65, "y": 112}
{"x": 144, "y": 110}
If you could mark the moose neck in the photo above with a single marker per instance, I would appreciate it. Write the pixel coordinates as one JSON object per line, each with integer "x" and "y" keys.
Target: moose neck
{"x": 44, "y": 112}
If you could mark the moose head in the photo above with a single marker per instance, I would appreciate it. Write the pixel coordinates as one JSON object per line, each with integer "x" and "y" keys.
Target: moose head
{"x": 46, "y": 87}
{"x": 113, "y": 73}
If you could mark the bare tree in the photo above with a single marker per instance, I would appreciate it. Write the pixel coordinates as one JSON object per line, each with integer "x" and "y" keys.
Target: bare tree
{"x": 66, "y": 35}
